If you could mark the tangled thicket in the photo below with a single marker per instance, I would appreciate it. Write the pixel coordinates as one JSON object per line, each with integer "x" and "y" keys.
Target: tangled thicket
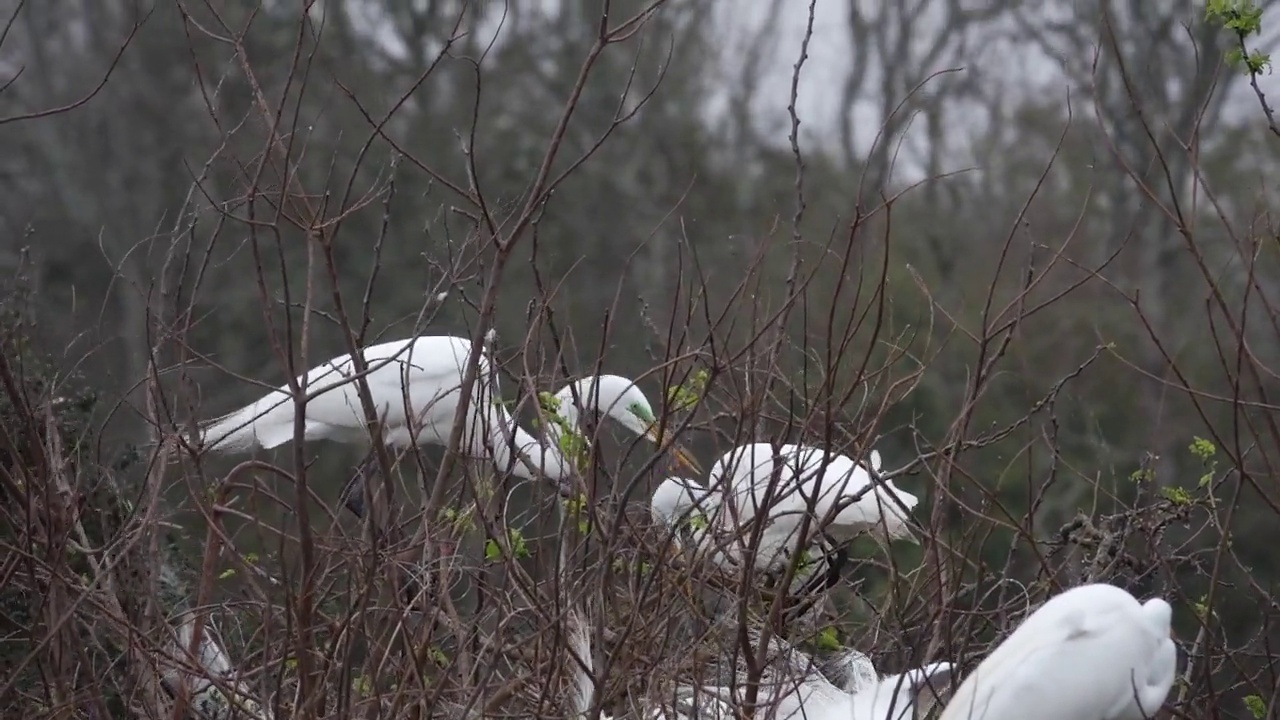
{"x": 1069, "y": 355}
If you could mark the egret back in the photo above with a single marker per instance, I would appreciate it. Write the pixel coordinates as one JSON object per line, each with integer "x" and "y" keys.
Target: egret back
{"x": 676, "y": 499}
{"x": 808, "y": 479}
{"x": 850, "y": 670}
{"x": 423, "y": 373}
{"x": 676, "y": 502}
{"x": 747, "y": 474}
{"x": 1078, "y": 657}
{"x": 764, "y": 482}
{"x": 896, "y": 697}
{"x": 849, "y": 479}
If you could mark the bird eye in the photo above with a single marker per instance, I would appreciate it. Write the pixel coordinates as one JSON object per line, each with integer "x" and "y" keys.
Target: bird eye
{"x": 641, "y": 412}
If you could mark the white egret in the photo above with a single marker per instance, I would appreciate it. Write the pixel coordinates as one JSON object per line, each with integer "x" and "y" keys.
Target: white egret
{"x": 850, "y": 670}
{"x": 1091, "y": 653}
{"x": 216, "y": 693}
{"x": 698, "y": 516}
{"x": 693, "y": 513}
{"x": 581, "y": 663}
{"x": 792, "y": 688}
{"x": 415, "y": 385}
{"x": 687, "y": 509}
{"x": 906, "y": 695}
{"x": 837, "y": 493}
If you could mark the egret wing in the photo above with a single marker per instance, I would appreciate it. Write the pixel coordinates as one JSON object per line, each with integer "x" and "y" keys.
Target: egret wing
{"x": 1063, "y": 670}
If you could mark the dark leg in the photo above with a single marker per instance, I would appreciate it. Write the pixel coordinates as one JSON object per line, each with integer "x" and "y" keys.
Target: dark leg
{"x": 352, "y": 495}
{"x": 411, "y": 590}
{"x": 835, "y": 565}
{"x": 800, "y": 603}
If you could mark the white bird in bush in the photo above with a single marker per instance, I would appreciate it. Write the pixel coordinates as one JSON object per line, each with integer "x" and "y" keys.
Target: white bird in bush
{"x": 688, "y": 509}
{"x": 849, "y": 669}
{"x": 792, "y": 688}
{"x": 415, "y": 385}
{"x": 838, "y": 494}
{"x": 614, "y": 397}
{"x": 1091, "y": 653}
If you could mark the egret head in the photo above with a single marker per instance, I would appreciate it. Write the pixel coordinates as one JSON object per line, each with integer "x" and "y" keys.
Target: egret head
{"x": 1158, "y": 615}
{"x": 892, "y": 501}
{"x": 896, "y": 525}
{"x": 618, "y": 398}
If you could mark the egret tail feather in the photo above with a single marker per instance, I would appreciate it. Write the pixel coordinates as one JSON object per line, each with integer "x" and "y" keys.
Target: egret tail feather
{"x": 265, "y": 423}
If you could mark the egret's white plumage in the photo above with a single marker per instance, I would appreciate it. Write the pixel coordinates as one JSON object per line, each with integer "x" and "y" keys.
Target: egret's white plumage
{"x": 807, "y": 477}
{"x": 792, "y": 688}
{"x": 580, "y": 663}
{"x": 414, "y": 382}
{"x": 850, "y": 670}
{"x": 416, "y": 387}
{"x": 688, "y": 510}
{"x": 902, "y": 696}
{"x": 703, "y": 524}
{"x": 1091, "y": 653}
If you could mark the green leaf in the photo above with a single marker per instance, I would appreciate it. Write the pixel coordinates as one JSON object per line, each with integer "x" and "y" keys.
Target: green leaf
{"x": 1244, "y": 19}
{"x": 550, "y": 403}
{"x": 575, "y": 504}
{"x": 828, "y": 639}
{"x": 1241, "y": 16}
{"x": 518, "y": 546}
{"x": 1201, "y": 608}
{"x": 1203, "y": 449}
{"x": 684, "y": 397}
{"x": 1176, "y": 495}
{"x": 461, "y": 520}
{"x": 576, "y": 507}
{"x": 1257, "y": 61}
{"x": 698, "y": 521}
{"x": 1216, "y": 9}
{"x": 1257, "y": 706}
{"x": 515, "y": 539}
{"x": 492, "y": 551}
{"x": 1142, "y": 475}
{"x": 229, "y": 572}
{"x": 362, "y": 686}
{"x": 806, "y": 559}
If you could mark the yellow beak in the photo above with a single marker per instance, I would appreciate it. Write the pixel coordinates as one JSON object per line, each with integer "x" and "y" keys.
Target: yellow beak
{"x": 682, "y": 456}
